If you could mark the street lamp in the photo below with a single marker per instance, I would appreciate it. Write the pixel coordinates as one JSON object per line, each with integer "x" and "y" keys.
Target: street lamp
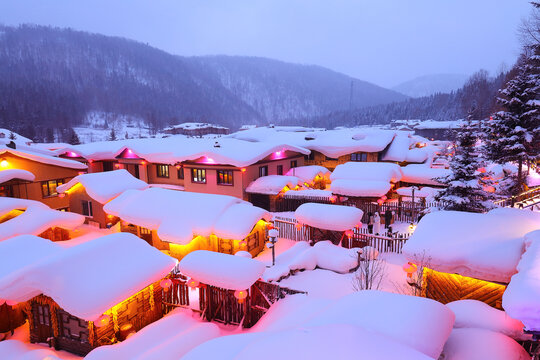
{"x": 413, "y": 189}
{"x": 273, "y": 234}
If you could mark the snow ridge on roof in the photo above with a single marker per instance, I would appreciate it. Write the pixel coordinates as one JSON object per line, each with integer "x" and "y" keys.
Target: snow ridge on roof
{"x": 44, "y": 157}
{"x": 104, "y": 186}
{"x": 11, "y": 174}
{"x": 106, "y": 274}
{"x": 329, "y": 217}
{"x": 309, "y": 173}
{"x": 272, "y": 184}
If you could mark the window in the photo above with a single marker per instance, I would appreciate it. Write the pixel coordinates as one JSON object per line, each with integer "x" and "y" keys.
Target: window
{"x": 263, "y": 171}
{"x": 359, "y": 157}
{"x": 310, "y": 156}
{"x": 6, "y": 190}
{"x": 180, "y": 173}
{"x": 330, "y": 158}
{"x": 280, "y": 169}
{"x": 224, "y": 177}
{"x": 162, "y": 170}
{"x": 198, "y": 176}
{"x": 108, "y": 166}
{"x": 294, "y": 164}
{"x": 87, "y": 208}
{"x": 48, "y": 188}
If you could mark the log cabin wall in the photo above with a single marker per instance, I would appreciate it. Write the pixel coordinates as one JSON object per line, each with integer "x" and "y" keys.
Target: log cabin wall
{"x": 11, "y": 317}
{"x": 78, "y": 336}
{"x": 317, "y": 158}
{"x": 55, "y": 234}
{"x": 445, "y": 288}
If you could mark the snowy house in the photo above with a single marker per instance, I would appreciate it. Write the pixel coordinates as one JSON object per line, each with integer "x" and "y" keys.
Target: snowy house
{"x": 21, "y": 216}
{"x": 180, "y": 222}
{"x": 469, "y": 255}
{"x": 314, "y": 176}
{"x": 423, "y": 174}
{"x": 266, "y": 190}
{"x": 369, "y": 181}
{"x": 81, "y": 297}
{"x": 225, "y": 166}
{"x": 89, "y": 192}
{"x": 196, "y": 129}
{"x": 34, "y": 174}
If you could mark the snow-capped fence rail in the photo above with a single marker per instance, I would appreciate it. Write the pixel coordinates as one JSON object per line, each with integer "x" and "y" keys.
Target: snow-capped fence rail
{"x": 522, "y": 198}
{"x": 289, "y": 228}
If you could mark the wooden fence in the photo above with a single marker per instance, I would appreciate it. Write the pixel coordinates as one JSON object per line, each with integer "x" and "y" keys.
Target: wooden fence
{"x": 177, "y": 295}
{"x": 520, "y": 198}
{"x": 286, "y": 203}
{"x": 287, "y": 228}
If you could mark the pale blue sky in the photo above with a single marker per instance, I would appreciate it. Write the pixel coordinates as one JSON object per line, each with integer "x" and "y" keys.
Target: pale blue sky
{"x": 382, "y": 41}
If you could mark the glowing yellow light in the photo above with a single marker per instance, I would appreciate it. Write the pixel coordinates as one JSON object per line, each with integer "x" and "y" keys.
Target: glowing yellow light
{"x": 4, "y": 163}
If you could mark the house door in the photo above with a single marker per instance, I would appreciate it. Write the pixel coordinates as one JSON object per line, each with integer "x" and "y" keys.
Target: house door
{"x": 42, "y": 322}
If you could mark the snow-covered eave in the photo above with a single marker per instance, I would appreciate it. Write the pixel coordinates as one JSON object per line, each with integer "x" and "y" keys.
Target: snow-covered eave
{"x": 16, "y": 174}
{"x": 45, "y": 159}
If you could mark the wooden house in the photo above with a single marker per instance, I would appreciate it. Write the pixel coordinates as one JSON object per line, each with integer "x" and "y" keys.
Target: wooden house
{"x": 468, "y": 255}
{"x": 47, "y": 172}
{"x": 21, "y": 216}
{"x": 266, "y": 190}
{"x": 196, "y": 129}
{"x": 108, "y": 297}
{"x": 88, "y": 193}
{"x": 179, "y": 222}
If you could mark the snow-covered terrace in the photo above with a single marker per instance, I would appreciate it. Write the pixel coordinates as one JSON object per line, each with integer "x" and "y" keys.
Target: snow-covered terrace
{"x": 35, "y": 218}
{"x": 104, "y": 186}
{"x": 180, "y": 216}
{"x": 175, "y": 149}
{"x": 105, "y": 271}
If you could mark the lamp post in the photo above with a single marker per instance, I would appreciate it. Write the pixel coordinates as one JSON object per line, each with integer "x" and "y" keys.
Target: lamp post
{"x": 273, "y": 234}
{"x": 413, "y": 188}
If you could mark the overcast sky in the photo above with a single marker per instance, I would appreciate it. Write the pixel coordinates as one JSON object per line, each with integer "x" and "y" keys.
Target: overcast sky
{"x": 382, "y": 41}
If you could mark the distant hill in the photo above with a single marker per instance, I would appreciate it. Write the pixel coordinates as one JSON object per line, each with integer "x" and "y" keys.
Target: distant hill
{"x": 54, "y": 78}
{"x": 431, "y": 84}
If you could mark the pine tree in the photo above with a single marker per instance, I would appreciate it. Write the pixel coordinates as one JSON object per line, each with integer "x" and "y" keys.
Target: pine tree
{"x": 12, "y": 136}
{"x": 49, "y": 135}
{"x": 466, "y": 184}
{"x": 74, "y": 138}
{"x": 514, "y": 133}
{"x": 112, "y": 135}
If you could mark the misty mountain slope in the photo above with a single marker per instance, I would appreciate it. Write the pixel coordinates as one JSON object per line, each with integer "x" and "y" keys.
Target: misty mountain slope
{"x": 280, "y": 90}
{"x": 53, "y": 78}
{"x": 431, "y": 84}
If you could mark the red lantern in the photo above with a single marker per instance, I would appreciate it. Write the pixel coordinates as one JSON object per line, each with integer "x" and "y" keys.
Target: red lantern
{"x": 269, "y": 226}
{"x": 333, "y": 199}
{"x": 243, "y": 170}
{"x": 410, "y": 268}
{"x": 359, "y": 225}
{"x": 103, "y": 320}
{"x": 192, "y": 284}
{"x": 241, "y": 295}
{"x": 349, "y": 233}
{"x": 61, "y": 195}
{"x": 165, "y": 284}
{"x": 298, "y": 226}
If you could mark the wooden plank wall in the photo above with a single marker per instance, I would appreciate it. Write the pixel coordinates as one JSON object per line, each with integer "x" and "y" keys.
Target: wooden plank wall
{"x": 446, "y": 288}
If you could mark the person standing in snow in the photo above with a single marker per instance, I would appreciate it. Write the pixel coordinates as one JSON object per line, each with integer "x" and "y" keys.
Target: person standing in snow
{"x": 370, "y": 223}
{"x": 387, "y": 218}
{"x": 376, "y": 223}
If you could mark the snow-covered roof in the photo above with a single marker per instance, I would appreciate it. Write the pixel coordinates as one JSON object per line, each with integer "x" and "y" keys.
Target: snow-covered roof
{"x": 424, "y": 192}
{"x": 375, "y": 171}
{"x": 10, "y": 174}
{"x": 178, "y": 148}
{"x": 417, "y": 155}
{"x": 521, "y": 298}
{"x": 423, "y": 174}
{"x": 360, "y": 188}
{"x": 104, "y": 186}
{"x": 484, "y": 246}
{"x": 221, "y": 270}
{"x": 35, "y": 219}
{"x": 5, "y": 134}
{"x": 329, "y": 217}
{"x": 194, "y": 125}
{"x": 168, "y": 338}
{"x": 272, "y": 184}
{"x": 309, "y": 173}
{"x": 433, "y": 124}
{"x": 178, "y": 216}
{"x": 332, "y": 143}
{"x": 398, "y": 149}
{"x": 106, "y": 273}
{"x": 42, "y": 156}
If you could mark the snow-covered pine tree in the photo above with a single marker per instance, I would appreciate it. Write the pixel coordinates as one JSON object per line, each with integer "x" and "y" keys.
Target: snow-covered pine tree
{"x": 74, "y": 138}
{"x": 112, "y": 135}
{"x": 514, "y": 133}
{"x": 466, "y": 184}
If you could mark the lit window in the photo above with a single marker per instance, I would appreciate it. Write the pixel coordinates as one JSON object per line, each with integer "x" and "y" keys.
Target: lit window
{"x": 48, "y": 188}
{"x": 198, "y": 176}
{"x": 162, "y": 170}
{"x": 224, "y": 177}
